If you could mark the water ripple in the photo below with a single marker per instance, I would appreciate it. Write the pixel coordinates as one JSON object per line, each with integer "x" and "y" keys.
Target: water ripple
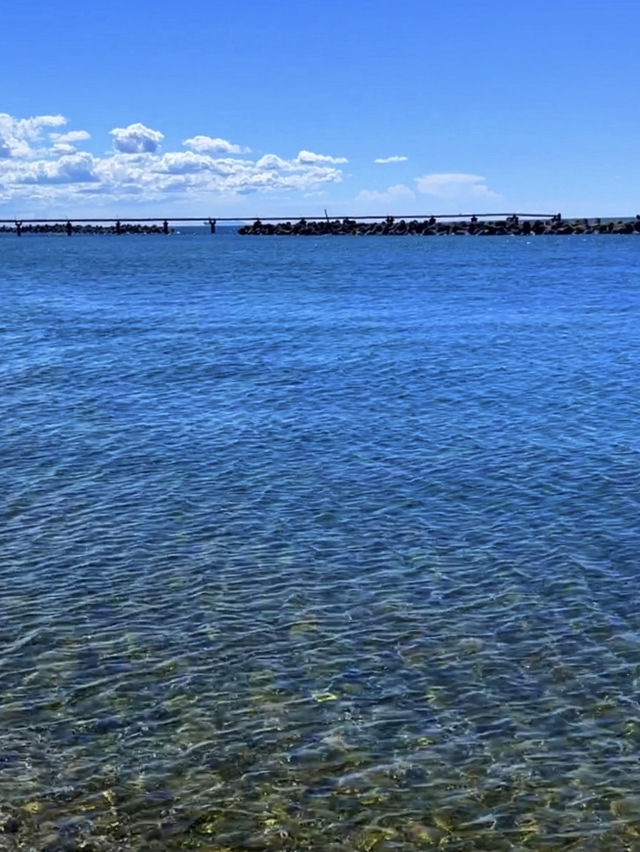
{"x": 310, "y": 546}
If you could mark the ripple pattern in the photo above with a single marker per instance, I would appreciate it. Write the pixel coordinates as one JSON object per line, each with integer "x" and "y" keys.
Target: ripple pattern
{"x": 319, "y": 545}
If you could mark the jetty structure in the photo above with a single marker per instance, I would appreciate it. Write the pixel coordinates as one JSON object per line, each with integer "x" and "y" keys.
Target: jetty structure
{"x": 144, "y": 225}
{"x": 464, "y": 224}
{"x": 524, "y": 224}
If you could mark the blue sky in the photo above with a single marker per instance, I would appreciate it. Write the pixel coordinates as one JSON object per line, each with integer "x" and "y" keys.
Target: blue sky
{"x": 288, "y": 108}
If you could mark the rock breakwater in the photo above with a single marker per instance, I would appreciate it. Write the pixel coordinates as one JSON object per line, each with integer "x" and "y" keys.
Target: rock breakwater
{"x": 513, "y": 225}
{"x": 68, "y": 228}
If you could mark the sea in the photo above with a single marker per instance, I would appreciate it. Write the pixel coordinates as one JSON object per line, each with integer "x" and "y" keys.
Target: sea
{"x": 319, "y": 543}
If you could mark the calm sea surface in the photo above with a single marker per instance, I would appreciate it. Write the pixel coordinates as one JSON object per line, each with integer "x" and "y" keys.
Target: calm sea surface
{"x": 319, "y": 544}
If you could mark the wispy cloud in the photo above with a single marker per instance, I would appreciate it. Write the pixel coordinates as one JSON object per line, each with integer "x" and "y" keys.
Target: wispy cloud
{"x": 453, "y": 185}
{"x": 71, "y": 136}
{"x": 309, "y": 158}
{"x": 395, "y": 159}
{"x": 398, "y": 192}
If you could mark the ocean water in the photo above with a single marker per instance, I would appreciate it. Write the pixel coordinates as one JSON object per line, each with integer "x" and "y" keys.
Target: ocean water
{"x": 319, "y": 543}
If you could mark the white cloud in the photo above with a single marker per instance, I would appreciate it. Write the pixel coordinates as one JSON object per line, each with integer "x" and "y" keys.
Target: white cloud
{"x": 136, "y": 139}
{"x": 454, "y": 185}
{"x": 18, "y": 136}
{"x": 31, "y": 127}
{"x": 62, "y": 148}
{"x": 64, "y": 143}
{"x": 394, "y": 159}
{"x": 43, "y": 170}
{"x": 398, "y": 192}
{"x": 272, "y": 162}
{"x": 183, "y": 162}
{"x": 309, "y": 158}
{"x": 76, "y": 168}
{"x": 209, "y": 145}
{"x": 71, "y": 136}
{"x": 69, "y": 169}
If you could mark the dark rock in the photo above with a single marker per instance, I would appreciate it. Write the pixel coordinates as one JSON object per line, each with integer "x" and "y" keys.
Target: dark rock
{"x": 511, "y": 226}
{"x": 10, "y": 824}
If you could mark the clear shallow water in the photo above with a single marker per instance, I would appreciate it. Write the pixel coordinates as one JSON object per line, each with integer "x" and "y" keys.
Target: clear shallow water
{"x": 319, "y": 544}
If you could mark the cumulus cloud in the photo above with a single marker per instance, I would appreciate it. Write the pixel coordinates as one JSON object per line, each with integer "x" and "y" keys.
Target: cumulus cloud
{"x": 69, "y": 169}
{"x": 76, "y": 168}
{"x": 20, "y": 137}
{"x": 394, "y": 159}
{"x": 398, "y": 192}
{"x": 45, "y": 168}
{"x": 63, "y": 148}
{"x": 136, "y": 139}
{"x": 65, "y": 143}
{"x": 273, "y": 163}
{"x": 32, "y": 126}
{"x": 183, "y": 162}
{"x": 454, "y": 185}
{"x": 309, "y": 158}
{"x": 209, "y": 145}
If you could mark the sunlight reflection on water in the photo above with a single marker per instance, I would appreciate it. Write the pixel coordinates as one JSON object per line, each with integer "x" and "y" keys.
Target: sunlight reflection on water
{"x": 324, "y": 544}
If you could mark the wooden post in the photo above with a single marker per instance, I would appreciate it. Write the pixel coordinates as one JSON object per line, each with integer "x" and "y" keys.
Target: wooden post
{"x": 212, "y": 225}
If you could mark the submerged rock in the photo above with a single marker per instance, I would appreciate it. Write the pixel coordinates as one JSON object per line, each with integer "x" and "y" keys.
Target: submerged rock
{"x": 9, "y": 821}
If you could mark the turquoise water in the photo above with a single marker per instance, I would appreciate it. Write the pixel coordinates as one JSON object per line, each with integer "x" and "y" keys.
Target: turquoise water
{"x": 319, "y": 544}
